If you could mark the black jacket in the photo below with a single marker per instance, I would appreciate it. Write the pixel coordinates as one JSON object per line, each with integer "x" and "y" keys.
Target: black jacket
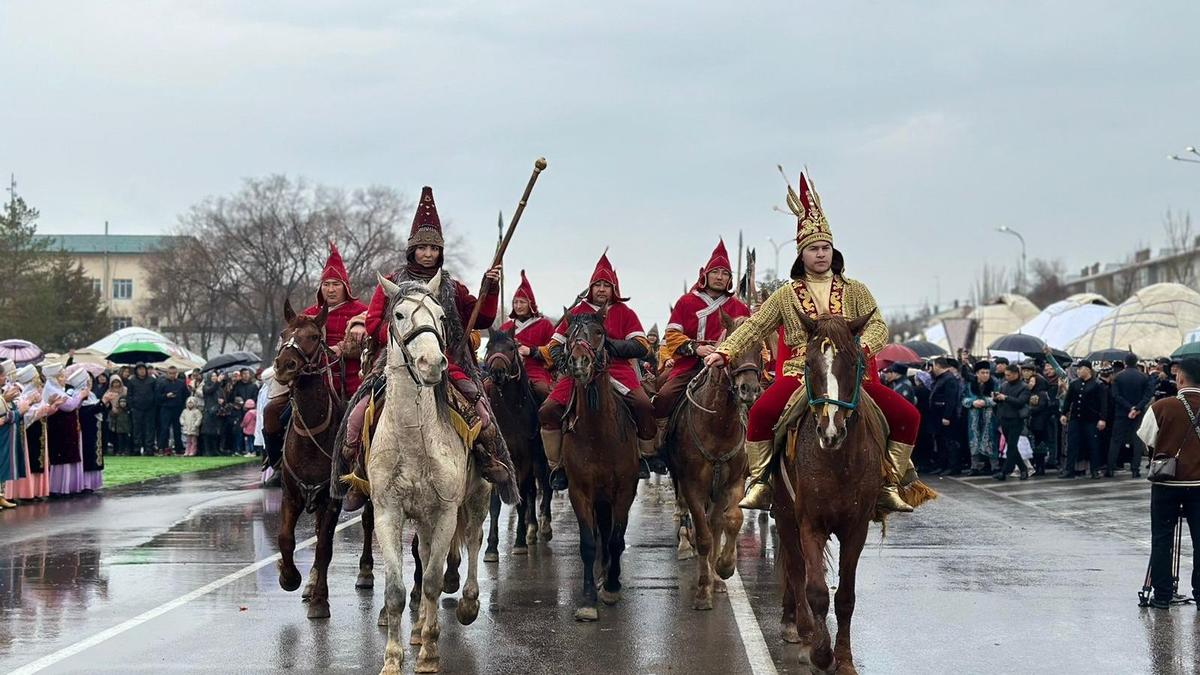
{"x": 1164, "y": 387}
{"x": 945, "y": 397}
{"x": 903, "y": 387}
{"x": 1085, "y": 401}
{"x": 1130, "y": 389}
{"x": 141, "y": 393}
{"x": 166, "y": 386}
{"x": 1015, "y": 405}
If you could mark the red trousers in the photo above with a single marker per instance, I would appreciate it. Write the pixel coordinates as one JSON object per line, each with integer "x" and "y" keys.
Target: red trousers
{"x": 901, "y": 415}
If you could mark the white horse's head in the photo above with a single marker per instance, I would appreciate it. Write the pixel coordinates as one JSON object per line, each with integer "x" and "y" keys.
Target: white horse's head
{"x": 416, "y": 330}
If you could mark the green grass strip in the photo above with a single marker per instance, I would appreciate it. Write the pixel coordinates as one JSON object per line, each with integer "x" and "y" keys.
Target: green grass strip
{"x": 126, "y": 470}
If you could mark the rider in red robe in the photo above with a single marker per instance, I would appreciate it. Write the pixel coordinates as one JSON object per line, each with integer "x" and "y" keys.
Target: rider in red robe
{"x": 531, "y": 330}
{"x": 626, "y": 343}
{"x": 335, "y": 293}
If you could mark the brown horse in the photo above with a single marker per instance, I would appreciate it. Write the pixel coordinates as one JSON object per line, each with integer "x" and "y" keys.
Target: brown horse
{"x": 303, "y": 364}
{"x": 516, "y": 416}
{"x": 708, "y": 462}
{"x": 600, "y": 457}
{"x": 831, "y": 474}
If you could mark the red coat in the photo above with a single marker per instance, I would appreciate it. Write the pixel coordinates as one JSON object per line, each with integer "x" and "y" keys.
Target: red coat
{"x": 464, "y": 302}
{"x": 335, "y": 331}
{"x": 621, "y": 323}
{"x": 698, "y": 316}
{"x": 534, "y": 332}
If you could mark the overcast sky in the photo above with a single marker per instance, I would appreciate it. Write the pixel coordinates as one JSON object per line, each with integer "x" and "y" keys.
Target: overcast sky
{"x": 925, "y": 125}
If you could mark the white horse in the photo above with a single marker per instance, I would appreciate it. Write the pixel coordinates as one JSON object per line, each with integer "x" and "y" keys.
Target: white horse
{"x": 421, "y": 470}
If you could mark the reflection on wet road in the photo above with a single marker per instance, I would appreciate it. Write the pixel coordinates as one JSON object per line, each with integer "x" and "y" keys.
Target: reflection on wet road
{"x": 991, "y": 578}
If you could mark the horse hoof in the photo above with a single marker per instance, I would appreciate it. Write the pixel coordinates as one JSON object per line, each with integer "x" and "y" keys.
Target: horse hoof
{"x": 845, "y": 668}
{"x": 491, "y": 556}
{"x": 318, "y": 610}
{"x": 719, "y": 586}
{"x": 587, "y": 614}
{"x": 789, "y": 633}
{"x": 290, "y": 580}
{"x": 685, "y": 553}
{"x": 545, "y": 531}
{"x": 609, "y": 598}
{"x": 725, "y": 568}
{"x": 531, "y": 534}
{"x": 427, "y": 665}
{"x": 365, "y": 580}
{"x": 450, "y": 584}
{"x": 415, "y": 639}
{"x": 702, "y": 603}
{"x": 468, "y": 611}
{"x": 520, "y": 550}
{"x": 382, "y": 622}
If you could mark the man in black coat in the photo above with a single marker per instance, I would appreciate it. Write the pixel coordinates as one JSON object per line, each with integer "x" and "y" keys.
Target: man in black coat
{"x": 896, "y": 377}
{"x": 945, "y": 404}
{"x": 244, "y": 386}
{"x": 1012, "y": 409}
{"x": 1132, "y": 391}
{"x": 142, "y": 404}
{"x": 1083, "y": 414}
{"x": 171, "y": 392}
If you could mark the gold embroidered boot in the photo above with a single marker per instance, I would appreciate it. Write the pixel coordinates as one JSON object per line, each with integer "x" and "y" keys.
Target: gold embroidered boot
{"x": 758, "y": 456}
{"x": 898, "y": 455}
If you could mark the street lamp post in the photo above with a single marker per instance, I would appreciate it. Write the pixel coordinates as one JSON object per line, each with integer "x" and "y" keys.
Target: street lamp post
{"x": 1192, "y": 149}
{"x": 777, "y": 247}
{"x": 1008, "y": 230}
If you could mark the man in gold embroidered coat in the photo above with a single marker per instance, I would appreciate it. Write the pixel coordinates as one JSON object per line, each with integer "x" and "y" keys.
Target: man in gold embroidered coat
{"x": 818, "y": 288}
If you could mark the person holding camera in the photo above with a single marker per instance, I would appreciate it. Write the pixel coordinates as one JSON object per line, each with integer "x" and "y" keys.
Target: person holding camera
{"x": 1170, "y": 429}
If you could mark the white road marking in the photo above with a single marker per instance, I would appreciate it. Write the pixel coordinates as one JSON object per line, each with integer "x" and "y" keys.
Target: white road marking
{"x": 105, "y": 635}
{"x": 752, "y": 636}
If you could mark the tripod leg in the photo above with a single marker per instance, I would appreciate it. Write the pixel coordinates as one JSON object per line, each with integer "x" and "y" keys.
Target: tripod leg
{"x": 1175, "y": 562}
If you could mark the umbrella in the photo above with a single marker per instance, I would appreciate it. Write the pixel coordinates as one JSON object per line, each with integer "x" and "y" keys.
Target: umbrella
{"x": 20, "y": 352}
{"x": 138, "y": 352}
{"x": 896, "y": 353}
{"x": 1109, "y": 355}
{"x": 1063, "y": 358}
{"x": 92, "y": 369}
{"x": 1018, "y": 342}
{"x": 1190, "y": 350}
{"x": 925, "y": 350}
{"x": 230, "y": 360}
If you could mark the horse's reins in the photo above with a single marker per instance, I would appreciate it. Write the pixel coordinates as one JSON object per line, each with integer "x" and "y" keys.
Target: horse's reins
{"x": 404, "y": 340}
{"x": 310, "y": 366}
{"x": 860, "y": 367}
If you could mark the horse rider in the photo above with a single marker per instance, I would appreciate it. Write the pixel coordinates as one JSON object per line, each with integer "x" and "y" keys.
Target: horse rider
{"x": 345, "y": 343}
{"x": 425, "y": 257}
{"x": 693, "y": 330}
{"x": 818, "y": 287}
{"x": 531, "y": 330}
{"x": 626, "y": 343}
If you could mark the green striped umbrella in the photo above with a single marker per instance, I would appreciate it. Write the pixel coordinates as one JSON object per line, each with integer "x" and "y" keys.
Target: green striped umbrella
{"x": 139, "y": 352}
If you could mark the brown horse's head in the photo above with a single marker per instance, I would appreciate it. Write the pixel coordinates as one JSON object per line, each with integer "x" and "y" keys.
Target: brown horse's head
{"x": 834, "y": 367}
{"x": 586, "y": 357}
{"x": 301, "y": 344}
{"x": 746, "y": 369}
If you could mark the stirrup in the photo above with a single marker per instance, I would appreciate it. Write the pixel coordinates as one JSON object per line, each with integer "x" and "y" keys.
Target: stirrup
{"x": 558, "y": 479}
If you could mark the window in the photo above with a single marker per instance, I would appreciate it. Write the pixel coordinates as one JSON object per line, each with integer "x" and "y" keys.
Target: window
{"x": 122, "y": 289}
{"x": 97, "y": 286}
{"x": 120, "y": 322}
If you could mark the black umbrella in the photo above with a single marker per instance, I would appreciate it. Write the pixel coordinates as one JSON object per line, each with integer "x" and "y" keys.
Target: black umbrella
{"x": 925, "y": 350}
{"x": 231, "y": 360}
{"x": 1109, "y": 355}
{"x": 1064, "y": 359}
{"x": 1017, "y": 342}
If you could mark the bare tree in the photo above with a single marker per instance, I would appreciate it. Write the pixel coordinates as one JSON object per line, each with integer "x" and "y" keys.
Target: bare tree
{"x": 1180, "y": 239}
{"x": 989, "y": 283}
{"x": 1047, "y": 282}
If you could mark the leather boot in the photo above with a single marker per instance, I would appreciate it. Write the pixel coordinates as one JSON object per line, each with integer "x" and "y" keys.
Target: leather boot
{"x": 272, "y": 449}
{"x": 898, "y": 455}
{"x": 758, "y": 457}
{"x": 653, "y": 462}
{"x": 552, "y": 443}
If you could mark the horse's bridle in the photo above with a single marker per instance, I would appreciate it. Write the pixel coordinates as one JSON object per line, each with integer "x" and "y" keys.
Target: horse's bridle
{"x": 598, "y": 354}
{"x": 404, "y": 340}
{"x": 309, "y": 362}
{"x": 860, "y": 366}
{"x": 511, "y": 369}
{"x": 701, "y": 379}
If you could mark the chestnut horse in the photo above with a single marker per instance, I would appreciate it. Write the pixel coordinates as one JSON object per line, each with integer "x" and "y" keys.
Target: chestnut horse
{"x": 516, "y": 417}
{"x": 600, "y": 457}
{"x": 706, "y": 450}
{"x": 829, "y": 486}
{"x": 303, "y": 364}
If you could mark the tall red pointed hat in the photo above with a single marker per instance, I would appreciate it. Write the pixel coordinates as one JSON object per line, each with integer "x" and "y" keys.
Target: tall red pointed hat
{"x": 335, "y": 269}
{"x": 525, "y": 291}
{"x": 718, "y": 261}
{"x": 605, "y": 272}
{"x": 426, "y": 226}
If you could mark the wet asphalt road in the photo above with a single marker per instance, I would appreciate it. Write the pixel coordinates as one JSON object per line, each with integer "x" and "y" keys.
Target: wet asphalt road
{"x": 1020, "y": 577}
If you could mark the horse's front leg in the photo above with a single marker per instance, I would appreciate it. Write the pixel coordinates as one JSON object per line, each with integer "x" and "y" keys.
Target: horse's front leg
{"x": 521, "y": 545}
{"x": 843, "y": 601}
{"x": 366, "y": 562}
{"x": 584, "y": 513}
{"x": 545, "y": 526}
{"x": 327, "y": 515}
{"x": 468, "y": 606}
{"x": 391, "y": 542}
{"x": 289, "y": 513}
{"x": 696, "y": 501}
{"x": 418, "y": 574}
{"x": 812, "y": 547}
{"x": 493, "y": 548}
{"x": 731, "y": 526}
{"x": 435, "y": 547}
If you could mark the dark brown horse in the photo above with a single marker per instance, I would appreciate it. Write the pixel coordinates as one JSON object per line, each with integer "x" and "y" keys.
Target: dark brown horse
{"x": 706, "y": 448}
{"x": 303, "y": 364}
{"x": 600, "y": 457}
{"x": 830, "y": 478}
{"x": 516, "y": 415}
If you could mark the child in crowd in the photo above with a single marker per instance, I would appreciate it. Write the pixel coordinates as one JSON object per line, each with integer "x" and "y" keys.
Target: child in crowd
{"x": 189, "y": 421}
{"x": 248, "y": 421}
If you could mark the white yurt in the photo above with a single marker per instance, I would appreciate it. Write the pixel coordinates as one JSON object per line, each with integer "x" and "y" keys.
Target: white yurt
{"x": 1003, "y": 316}
{"x": 1063, "y": 322}
{"x": 1152, "y": 322}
